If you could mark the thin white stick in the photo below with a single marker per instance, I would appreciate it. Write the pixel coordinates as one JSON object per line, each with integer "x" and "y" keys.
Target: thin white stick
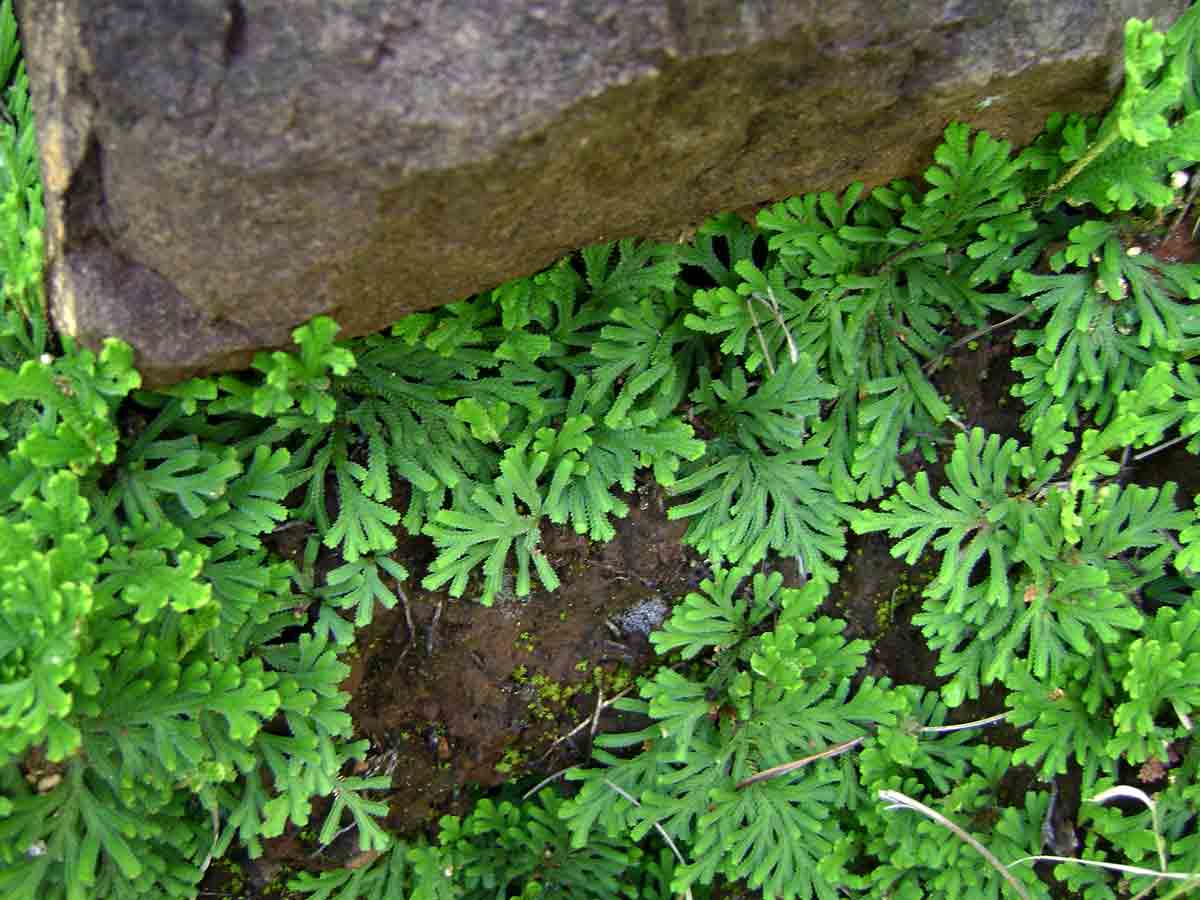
{"x": 216, "y": 820}
{"x": 837, "y": 749}
{"x": 793, "y": 355}
{"x": 785, "y": 768}
{"x": 978, "y": 723}
{"x": 897, "y": 799}
{"x": 599, "y": 708}
{"x": 666, "y": 837}
{"x": 762, "y": 342}
{"x": 1131, "y": 793}
{"x": 931, "y": 366}
{"x": 1160, "y": 447}
{"x": 1116, "y": 867}
{"x": 584, "y": 724}
{"x": 545, "y": 781}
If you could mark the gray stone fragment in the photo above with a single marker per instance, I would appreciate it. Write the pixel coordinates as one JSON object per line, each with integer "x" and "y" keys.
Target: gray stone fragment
{"x": 644, "y": 617}
{"x": 219, "y": 171}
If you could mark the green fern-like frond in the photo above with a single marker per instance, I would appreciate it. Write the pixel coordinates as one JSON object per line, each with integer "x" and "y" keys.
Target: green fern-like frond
{"x": 716, "y": 618}
{"x": 364, "y": 522}
{"x": 1161, "y": 675}
{"x": 509, "y": 850}
{"x": 1150, "y": 132}
{"x": 779, "y": 696}
{"x": 45, "y": 579}
{"x": 1129, "y": 176}
{"x": 23, "y": 321}
{"x": 887, "y": 410}
{"x": 871, "y": 283}
{"x": 1059, "y": 722}
{"x": 720, "y": 243}
{"x": 1183, "y": 51}
{"x": 773, "y": 835}
{"x": 589, "y": 461}
{"x": 178, "y": 472}
{"x": 775, "y": 416}
{"x": 405, "y": 406}
{"x": 902, "y": 749}
{"x": 760, "y": 490}
{"x": 1151, "y": 91}
{"x": 1074, "y": 612}
{"x": 963, "y": 522}
{"x": 484, "y": 526}
{"x": 1033, "y": 575}
{"x": 629, "y": 270}
{"x": 649, "y": 352}
{"x": 95, "y": 844}
{"x": 77, "y": 395}
{"x": 973, "y": 182}
{"x": 385, "y": 877}
{"x": 917, "y": 856}
{"x": 748, "y": 503}
{"x": 359, "y": 586}
{"x": 757, "y": 313}
{"x": 596, "y": 805}
{"x": 303, "y": 379}
{"x": 963, "y": 636}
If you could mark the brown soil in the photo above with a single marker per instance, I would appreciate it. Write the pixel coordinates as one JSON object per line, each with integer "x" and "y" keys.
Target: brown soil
{"x": 481, "y": 695}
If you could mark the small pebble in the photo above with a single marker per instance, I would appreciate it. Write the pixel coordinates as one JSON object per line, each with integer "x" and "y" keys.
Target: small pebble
{"x": 645, "y": 617}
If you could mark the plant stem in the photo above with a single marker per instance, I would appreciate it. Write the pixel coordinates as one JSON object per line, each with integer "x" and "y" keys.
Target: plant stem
{"x": 1084, "y": 161}
{"x": 838, "y": 749}
{"x": 931, "y": 366}
{"x": 600, "y": 707}
{"x": 1163, "y": 446}
{"x": 785, "y": 768}
{"x": 762, "y": 342}
{"x": 545, "y": 781}
{"x": 978, "y": 723}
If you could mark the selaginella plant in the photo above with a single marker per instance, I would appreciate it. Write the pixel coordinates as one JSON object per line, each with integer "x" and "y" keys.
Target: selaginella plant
{"x": 171, "y": 687}
{"x": 153, "y": 708}
{"x": 156, "y": 703}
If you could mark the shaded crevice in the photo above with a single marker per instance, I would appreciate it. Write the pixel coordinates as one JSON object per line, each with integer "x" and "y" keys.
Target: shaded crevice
{"x": 83, "y": 201}
{"x": 235, "y": 32}
{"x": 383, "y": 50}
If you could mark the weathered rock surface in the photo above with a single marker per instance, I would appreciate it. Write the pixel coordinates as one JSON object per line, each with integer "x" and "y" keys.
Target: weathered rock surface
{"x": 219, "y": 171}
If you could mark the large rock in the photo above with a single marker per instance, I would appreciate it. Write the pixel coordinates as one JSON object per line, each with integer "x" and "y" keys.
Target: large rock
{"x": 219, "y": 171}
